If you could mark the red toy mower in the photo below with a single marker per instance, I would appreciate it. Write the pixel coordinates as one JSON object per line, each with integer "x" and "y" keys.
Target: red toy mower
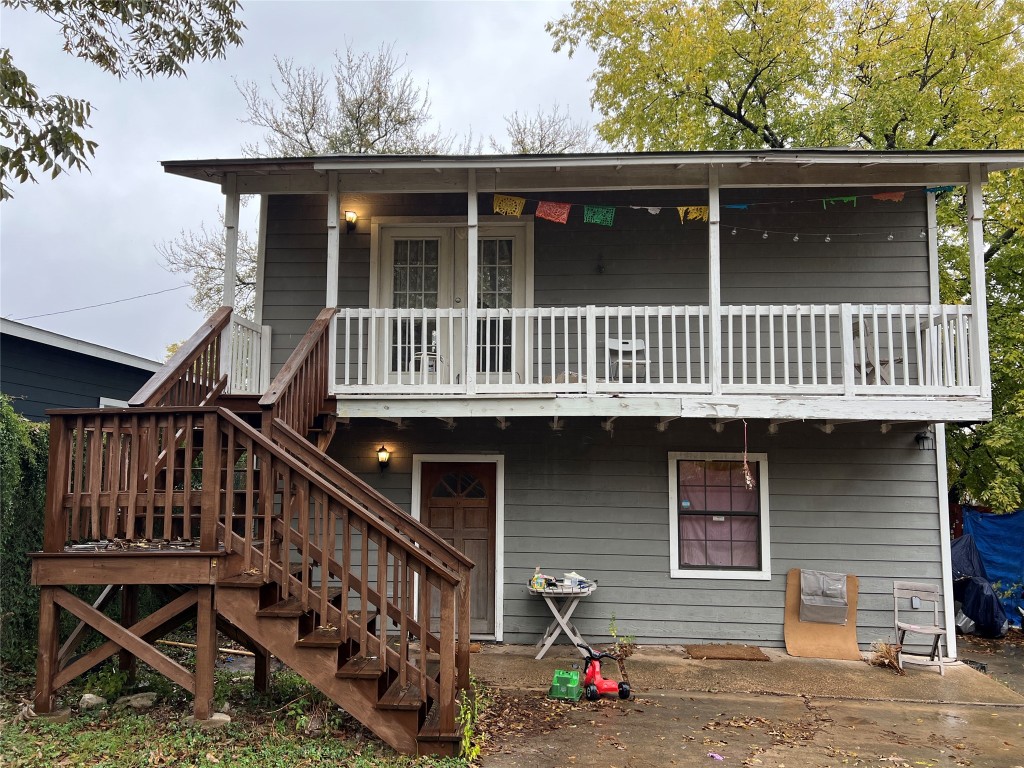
{"x": 595, "y": 686}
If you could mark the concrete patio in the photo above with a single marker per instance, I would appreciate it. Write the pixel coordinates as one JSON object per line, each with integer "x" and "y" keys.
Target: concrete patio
{"x": 787, "y": 711}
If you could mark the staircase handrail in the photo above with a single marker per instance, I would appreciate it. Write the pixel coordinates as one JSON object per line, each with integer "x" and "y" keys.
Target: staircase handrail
{"x": 374, "y": 501}
{"x": 374, "y": 521}
{"x": 200, "y": 356}
{"x": 298, "y": 391}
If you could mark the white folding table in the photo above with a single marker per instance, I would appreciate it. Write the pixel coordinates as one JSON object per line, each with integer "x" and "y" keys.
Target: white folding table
{"x": 562, "y": 601}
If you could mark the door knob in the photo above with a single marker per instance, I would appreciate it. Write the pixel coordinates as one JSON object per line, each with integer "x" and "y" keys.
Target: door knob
{"x": 458, "y": 299}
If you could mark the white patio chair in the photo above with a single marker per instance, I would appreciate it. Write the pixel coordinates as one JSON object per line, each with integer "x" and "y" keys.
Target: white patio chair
{"x": 915, "y": 595}
{"x": 630, "y": 355}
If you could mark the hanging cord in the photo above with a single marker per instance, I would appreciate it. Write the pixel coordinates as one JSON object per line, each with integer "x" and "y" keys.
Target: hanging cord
{"x": 747, "y": 475}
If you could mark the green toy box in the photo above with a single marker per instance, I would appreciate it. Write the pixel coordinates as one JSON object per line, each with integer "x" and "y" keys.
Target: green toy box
{"x": 565, "y": 685}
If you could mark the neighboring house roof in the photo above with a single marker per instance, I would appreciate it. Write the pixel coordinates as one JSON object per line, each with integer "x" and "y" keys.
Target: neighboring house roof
{"x": 40, "y": 370}
{"x": 22, "y": 331}
{"x": 213, "y": 170}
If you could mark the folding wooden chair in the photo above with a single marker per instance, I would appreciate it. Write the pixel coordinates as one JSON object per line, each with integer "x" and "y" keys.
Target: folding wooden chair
{"x": 914, "y": 595}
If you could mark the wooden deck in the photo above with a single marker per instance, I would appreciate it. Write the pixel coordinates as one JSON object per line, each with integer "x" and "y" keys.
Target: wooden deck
{"x": 232, "y": 519}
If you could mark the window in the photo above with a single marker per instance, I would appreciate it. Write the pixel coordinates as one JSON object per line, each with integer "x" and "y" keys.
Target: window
{"x": 719, "y": 525}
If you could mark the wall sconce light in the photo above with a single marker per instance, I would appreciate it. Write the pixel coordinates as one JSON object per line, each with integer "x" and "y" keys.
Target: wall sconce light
{"x": 351, "y": 217}
{"x": 925, "y": 440}
{"x": 383, "y": 457}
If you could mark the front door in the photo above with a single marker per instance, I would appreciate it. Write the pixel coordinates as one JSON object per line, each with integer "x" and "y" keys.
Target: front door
{"x": 459, "y": 505}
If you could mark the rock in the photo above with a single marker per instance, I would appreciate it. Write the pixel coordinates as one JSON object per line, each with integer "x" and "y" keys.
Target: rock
{"x": 138, "y": 701}
{"x": 91, "y": 701}
{"x": 217, "y": 720}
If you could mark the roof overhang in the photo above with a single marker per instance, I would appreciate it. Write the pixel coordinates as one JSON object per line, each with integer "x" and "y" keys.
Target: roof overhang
{"x": 640, "y": 170}
{"x": 51, "y": 339}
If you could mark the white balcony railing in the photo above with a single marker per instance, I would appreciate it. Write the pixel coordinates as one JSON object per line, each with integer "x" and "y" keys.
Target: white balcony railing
{"x": 245, "y": 347}
{"x": 827, "y": 349}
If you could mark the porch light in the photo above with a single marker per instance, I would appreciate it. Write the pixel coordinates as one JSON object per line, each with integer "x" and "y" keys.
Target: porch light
{"x": 383, "y": 457}
{"x": 351, "y": 217}
{"x": 925, "y": 440}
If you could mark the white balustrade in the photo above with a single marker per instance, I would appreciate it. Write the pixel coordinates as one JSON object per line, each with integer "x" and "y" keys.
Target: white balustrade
{"x": 245, "y": 350}
{"x": 828, "y": 349}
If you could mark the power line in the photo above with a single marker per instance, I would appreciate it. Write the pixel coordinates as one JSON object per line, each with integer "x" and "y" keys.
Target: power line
{"x": 104, "y": 304}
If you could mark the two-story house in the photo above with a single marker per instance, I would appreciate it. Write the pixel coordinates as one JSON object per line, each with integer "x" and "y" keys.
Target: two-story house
{"x": 680, "y": 374}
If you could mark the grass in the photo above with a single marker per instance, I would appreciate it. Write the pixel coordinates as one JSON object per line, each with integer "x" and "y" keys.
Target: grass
{"x": 292, "y": 725}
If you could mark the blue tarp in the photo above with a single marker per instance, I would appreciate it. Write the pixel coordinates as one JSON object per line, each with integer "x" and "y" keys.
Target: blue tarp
{"x": 1000, "y": 542}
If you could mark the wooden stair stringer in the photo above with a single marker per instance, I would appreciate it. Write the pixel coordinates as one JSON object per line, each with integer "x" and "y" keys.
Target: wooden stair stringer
{"x": 318, "y": 665}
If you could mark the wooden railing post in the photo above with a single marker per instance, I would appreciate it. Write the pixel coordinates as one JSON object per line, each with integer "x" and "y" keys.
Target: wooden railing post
{"x": 462, "y": 654}
{"x": 55, "y": 527}
{"x": 211, "y": 493}
{"x": 448, "y": 652}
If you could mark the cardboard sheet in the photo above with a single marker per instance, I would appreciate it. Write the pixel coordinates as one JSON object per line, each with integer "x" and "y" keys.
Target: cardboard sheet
{"x": 810, "y": 639}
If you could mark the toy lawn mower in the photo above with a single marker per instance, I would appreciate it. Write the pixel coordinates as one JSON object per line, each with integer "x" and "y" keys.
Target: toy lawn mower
{"x": 594, "y": 685}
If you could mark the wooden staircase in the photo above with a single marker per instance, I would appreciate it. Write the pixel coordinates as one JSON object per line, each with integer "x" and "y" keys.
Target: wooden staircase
{"x": 297, "y": 556}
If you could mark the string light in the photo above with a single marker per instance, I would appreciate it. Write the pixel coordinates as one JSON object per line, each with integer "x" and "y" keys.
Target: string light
{"x": 796, "y": 238}
{"x": 890, "y": 238}
{"x": 733, "y": 233}
{"x": 828, "y": 238}
{"x": 765, "y": 235}
{"x": 923, "y": 233}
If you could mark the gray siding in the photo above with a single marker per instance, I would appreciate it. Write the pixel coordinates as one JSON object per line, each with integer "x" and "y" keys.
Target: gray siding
{"x": 38, "y": 376}
{"x": 643, "y": 259}
{"x": 856, "y": 501}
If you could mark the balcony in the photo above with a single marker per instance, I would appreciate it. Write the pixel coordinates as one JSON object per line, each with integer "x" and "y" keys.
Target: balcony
{"x": 848, "y": 353}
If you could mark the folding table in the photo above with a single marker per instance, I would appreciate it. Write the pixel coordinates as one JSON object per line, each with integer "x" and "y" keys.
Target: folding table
{"x": 562, "y": 601}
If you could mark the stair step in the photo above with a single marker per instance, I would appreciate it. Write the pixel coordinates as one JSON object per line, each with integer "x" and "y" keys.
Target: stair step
{"x": 286, "y": 609}
{"x": 321, "y": 637}
{"x": 242, "y": 581}
{"x": 400, "y": 696}
{"x": 431, "y": 729}
{"x": 362, "y": 667}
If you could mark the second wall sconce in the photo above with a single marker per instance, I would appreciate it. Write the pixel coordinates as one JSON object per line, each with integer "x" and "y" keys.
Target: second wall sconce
{"x": 383, "y": 457}
{"x": 351, "y": 217}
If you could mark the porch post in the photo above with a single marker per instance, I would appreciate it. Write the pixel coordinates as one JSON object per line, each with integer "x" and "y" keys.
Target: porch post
{"x": 714, "y": 281}
{"x": 472, "y": 244}
{"x": 979, "y": 307}
{"x": 206, "y": 653}
{"x": 230, "y": 239}
{"x": 333, "y": 271}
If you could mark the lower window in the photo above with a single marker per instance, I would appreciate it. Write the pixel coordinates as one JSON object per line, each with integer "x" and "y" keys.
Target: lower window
{"x": 718, "y": 515}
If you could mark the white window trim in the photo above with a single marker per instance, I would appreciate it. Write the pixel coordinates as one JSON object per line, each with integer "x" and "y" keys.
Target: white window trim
{"x": 765, "y": 572}
{"x": 499, "y": 520}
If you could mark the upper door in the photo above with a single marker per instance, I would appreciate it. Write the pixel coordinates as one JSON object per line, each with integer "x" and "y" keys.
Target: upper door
{"x": 423, "y": 268}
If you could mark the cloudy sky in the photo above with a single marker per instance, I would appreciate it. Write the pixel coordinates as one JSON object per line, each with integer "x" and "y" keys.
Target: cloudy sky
{"x": 90, "y": 238}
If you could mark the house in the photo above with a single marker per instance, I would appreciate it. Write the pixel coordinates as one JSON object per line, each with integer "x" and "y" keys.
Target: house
{"x": 680, "y": 374}
{"x": 41, "y": 369}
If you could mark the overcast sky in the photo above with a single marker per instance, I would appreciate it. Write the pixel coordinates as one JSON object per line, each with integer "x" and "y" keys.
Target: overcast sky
{"x": 89, "y": 238}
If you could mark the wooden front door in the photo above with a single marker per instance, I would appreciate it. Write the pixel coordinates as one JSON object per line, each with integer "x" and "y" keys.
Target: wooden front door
{"x": 459, "y": 505}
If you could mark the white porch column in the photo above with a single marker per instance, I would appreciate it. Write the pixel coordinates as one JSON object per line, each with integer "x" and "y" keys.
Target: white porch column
{"x": 472, "y": 258}
{"x": 714, "y": 281}
{"x": 333, "y": 239}
{"x": 333, "y": 271}
{"x": 230, "y": 239}
{"x": 979, "y": 307}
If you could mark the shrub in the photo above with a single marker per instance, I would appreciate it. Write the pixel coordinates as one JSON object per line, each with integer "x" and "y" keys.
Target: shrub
{"x": 24, "y": 448}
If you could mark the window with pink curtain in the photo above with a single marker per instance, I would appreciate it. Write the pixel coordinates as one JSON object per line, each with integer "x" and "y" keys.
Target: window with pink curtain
{"x": 719, "y": 516}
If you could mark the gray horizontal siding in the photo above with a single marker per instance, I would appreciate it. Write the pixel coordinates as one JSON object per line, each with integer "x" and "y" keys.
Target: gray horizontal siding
{"x": 856, "y": 501}
{"x": 643, "y": 259}
{"x": 37, "y": 377}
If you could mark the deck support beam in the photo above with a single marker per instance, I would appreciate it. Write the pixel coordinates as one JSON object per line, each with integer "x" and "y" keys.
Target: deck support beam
{"x": 46, "y": 665}
{"x": 126, "y": 661}
{"x": 664, "y": 421}
{"x": 206, "y": 653}
{"x": 773, "y": 425}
